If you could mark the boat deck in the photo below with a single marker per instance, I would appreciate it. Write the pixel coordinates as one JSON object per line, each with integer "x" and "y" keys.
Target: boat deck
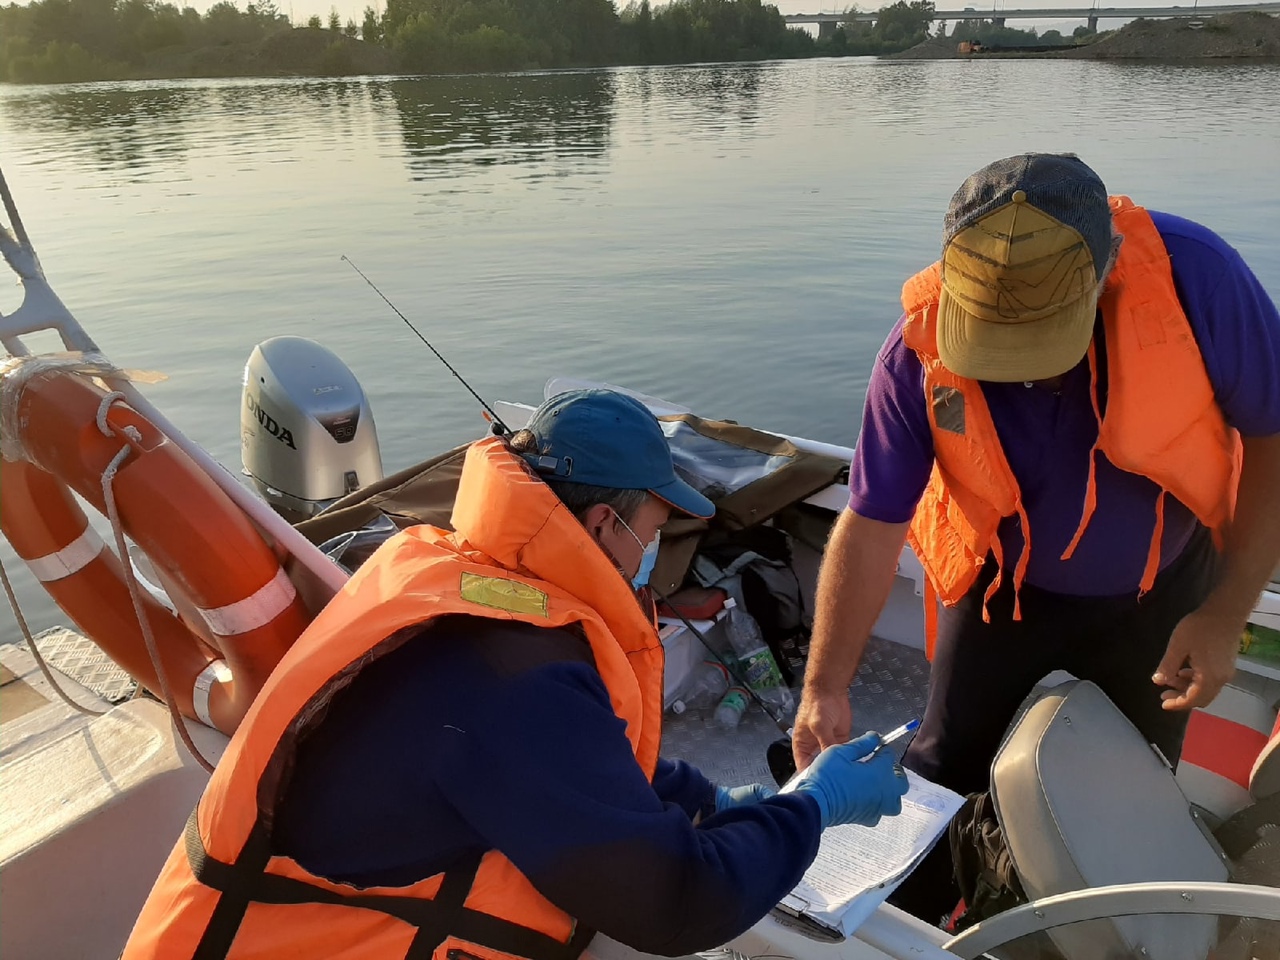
{"x": 890, "y": 688}
{"x": 78, "y": 657}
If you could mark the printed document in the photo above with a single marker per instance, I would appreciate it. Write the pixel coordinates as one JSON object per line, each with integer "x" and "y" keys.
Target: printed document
{"x": 858, "y": 867}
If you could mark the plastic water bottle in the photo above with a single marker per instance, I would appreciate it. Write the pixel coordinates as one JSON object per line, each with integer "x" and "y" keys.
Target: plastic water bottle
{"x": 755, "y": 660}
{"x": 731, "y": 708}
{"x": 707, "y": 683}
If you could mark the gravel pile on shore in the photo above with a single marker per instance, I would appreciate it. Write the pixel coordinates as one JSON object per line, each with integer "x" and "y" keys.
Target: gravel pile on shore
{"x": 1229, "y": 36}
{"x": 935, "y": 48}
{"x": 1232, "y": 35}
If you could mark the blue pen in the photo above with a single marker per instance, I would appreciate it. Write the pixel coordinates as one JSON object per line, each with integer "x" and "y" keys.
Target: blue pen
{"x": 897, "y": 734}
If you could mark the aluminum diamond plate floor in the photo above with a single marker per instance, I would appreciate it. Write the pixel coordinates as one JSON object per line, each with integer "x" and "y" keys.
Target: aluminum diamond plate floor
{"x": 84, "y": 662}
{"x": 891, "y": 688}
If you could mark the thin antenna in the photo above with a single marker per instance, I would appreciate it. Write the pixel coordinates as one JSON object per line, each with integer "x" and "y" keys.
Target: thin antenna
{"x": 497, "y": 421}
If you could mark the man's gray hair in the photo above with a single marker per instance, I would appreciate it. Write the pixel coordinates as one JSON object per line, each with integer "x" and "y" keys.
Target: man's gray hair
{"x": 581, "y": 497}
{"x": 1113, "y": 254}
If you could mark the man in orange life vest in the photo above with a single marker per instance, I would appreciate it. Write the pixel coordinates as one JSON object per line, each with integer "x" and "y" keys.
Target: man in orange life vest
{"x": 1056, "y": 426}
{"x": 458, "y": 759}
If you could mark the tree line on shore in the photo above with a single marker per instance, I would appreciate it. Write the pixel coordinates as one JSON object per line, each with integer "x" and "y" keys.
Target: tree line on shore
{"x": 50, "y": 41}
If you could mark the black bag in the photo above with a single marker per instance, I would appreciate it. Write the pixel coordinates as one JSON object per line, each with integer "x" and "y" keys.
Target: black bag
{"x": 982, "y": 863}
{"x": 760, "y": 557}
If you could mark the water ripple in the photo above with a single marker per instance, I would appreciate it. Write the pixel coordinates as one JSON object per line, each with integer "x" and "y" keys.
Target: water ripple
{"x": 732, "y": 236}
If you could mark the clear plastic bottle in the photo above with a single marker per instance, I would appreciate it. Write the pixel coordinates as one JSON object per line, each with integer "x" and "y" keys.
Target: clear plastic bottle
{"x": 756, "y": 664}
{"x": 707, "y": 684}
{"x": 732, "y": 707}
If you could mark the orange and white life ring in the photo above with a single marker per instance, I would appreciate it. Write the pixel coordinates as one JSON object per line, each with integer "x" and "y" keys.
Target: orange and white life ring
{"x": 238, "y": 610}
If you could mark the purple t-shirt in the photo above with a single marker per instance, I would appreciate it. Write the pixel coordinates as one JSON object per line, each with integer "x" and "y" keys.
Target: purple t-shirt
{"x": 1047, "y": 436}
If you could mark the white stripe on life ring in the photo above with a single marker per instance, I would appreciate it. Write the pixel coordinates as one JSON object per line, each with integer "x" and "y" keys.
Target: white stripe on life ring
{"x": 72, "y": 558}
{"x": 253, "y": 611}
{"x": 216, "y": 672}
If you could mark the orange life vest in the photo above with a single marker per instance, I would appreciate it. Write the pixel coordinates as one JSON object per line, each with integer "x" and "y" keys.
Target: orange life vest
{"x": 1161, "y": 422}
{"x": 517, "y": 554}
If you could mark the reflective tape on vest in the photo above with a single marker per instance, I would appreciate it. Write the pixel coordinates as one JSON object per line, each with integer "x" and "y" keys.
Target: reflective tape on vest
{"x": 72, "y": 558}
{"x": 216, "y": 672}
{"x": 253, "y": 611}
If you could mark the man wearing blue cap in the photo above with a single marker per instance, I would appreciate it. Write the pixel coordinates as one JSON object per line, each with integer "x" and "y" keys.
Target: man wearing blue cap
{"x": 472, "y": 728}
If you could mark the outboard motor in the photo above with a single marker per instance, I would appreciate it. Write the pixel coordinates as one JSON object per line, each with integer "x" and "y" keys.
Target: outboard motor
{"x": 306, "y": 430}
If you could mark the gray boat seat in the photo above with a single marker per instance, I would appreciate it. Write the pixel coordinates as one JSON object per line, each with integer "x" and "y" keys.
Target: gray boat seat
{"x": 1226, "y": 743}
{"x": 1083, "y": 802}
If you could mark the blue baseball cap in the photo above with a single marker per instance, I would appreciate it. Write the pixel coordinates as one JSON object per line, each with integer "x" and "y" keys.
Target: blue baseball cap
{"x": 608, "y": 439}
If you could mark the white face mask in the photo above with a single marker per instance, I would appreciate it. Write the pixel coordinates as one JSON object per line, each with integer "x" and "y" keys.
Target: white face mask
{"x": 648, "y": 557}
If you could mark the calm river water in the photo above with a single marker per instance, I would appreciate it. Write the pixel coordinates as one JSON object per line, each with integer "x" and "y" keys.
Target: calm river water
{"x": 730, "y": 237}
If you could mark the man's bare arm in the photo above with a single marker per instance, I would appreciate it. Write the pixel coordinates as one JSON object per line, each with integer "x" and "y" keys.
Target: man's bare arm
{"x": 857, "y": 573}
{"x": 1201, "y": 655}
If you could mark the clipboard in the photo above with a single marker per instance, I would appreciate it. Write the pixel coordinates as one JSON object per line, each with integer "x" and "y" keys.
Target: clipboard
{"x": 857, "y": 868}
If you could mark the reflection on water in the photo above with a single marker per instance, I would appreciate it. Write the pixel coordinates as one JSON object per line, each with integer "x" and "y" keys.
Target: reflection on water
{"x": 137, "y": 129}
{"x": 143, "y": 129}
{"x": 714, "y": 96}
{"x": 554, "y": 119}
{"x": 904, "y": 93}
{"x": 731, "y": 237}
{"x": 557, "y": 118}
{"x": 112, "y": 129}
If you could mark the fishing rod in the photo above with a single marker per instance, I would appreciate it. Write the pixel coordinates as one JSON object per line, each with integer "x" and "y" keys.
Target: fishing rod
{"x": 499, "y": 427}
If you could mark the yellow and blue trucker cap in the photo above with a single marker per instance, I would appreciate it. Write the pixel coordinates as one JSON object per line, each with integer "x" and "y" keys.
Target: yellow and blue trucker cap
{"x": 1025, "y": 241}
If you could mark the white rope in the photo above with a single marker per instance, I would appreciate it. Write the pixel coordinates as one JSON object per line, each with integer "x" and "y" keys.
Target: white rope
{"x": 35, "y": 651}
{"x": 103, "y": 408}
{"x": 108, "y": 496}
{"x": 19, "y": 372}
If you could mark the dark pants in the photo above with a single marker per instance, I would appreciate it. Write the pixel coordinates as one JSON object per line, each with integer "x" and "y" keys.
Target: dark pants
{"x": 982, "y": 672}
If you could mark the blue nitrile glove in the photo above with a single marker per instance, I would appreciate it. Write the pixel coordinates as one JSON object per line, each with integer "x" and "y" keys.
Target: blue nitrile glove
{"x": 848, "y": 791}
{"x": 729, "y": 797}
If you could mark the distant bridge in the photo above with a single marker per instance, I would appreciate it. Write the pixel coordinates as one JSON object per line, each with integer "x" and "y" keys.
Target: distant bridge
{"x": 1092, "y": 15}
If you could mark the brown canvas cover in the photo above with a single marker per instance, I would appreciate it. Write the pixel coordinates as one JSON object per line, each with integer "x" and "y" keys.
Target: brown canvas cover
{"x": 424, "y": 493}
{"x": 802, "y": 474}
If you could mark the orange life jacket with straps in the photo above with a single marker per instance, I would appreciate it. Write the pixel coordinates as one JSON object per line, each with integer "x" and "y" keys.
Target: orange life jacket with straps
{"x": 517, "y": 554}
{"x": 1161, "y": 422}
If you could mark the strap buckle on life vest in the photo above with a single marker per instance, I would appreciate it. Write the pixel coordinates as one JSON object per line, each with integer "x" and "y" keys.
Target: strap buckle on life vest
{"x": 437, "y": 918}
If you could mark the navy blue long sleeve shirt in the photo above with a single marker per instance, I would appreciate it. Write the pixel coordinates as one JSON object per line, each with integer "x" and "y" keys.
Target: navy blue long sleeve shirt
{"x": 478, "y": 734}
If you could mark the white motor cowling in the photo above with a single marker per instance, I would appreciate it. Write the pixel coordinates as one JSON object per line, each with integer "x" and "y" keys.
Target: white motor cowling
{"x": 307, "y": 435}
